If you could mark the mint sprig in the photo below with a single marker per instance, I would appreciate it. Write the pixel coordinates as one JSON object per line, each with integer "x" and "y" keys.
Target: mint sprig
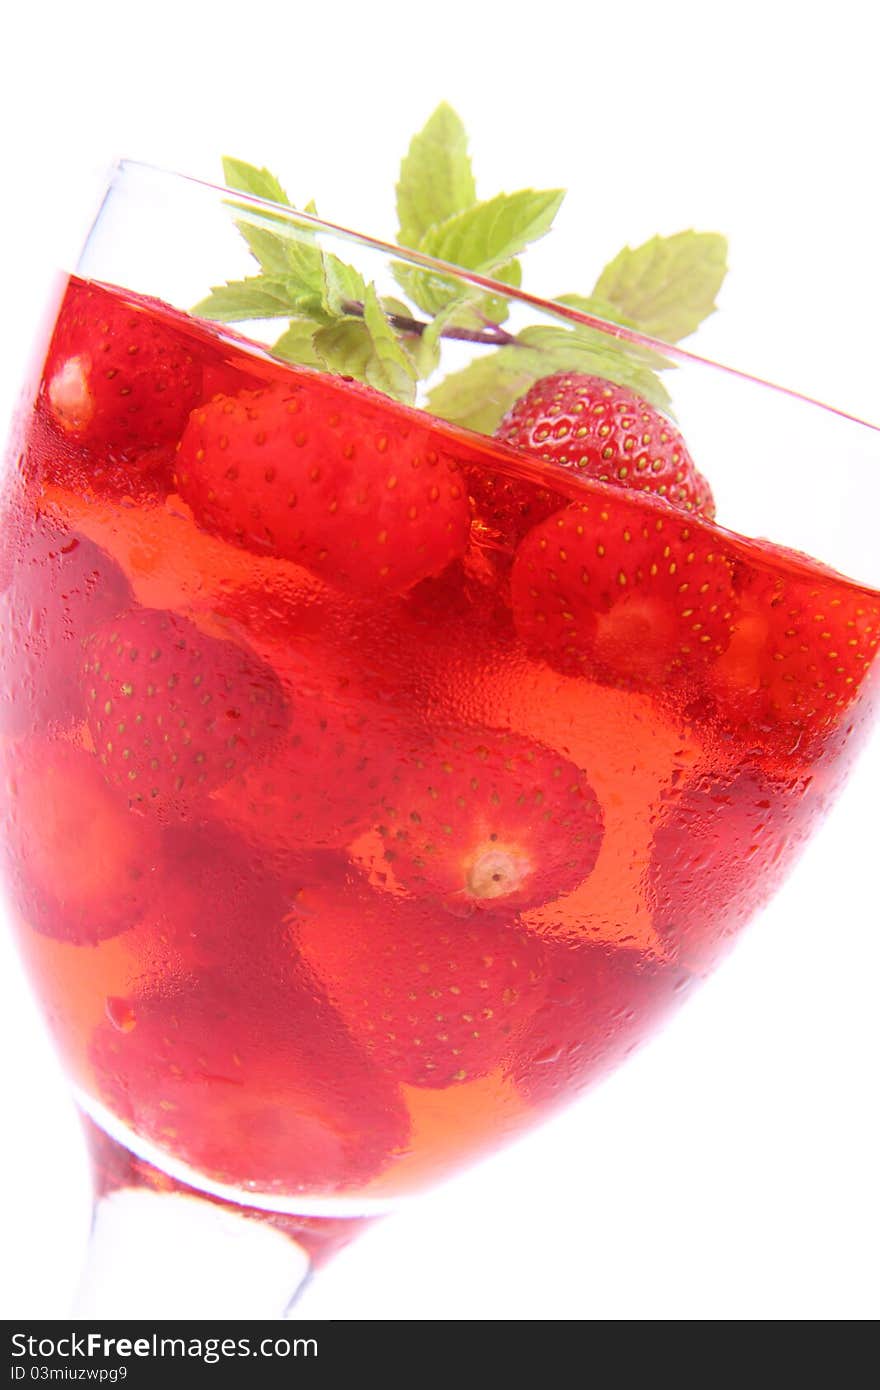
{"x": 338, "y": 322}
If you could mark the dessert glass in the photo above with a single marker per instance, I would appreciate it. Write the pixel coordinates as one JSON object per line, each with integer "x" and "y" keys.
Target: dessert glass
{"x": 336, "y": 863}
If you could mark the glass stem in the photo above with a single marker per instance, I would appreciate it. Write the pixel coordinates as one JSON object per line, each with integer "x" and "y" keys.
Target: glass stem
{"x": 160, "y": 1255}
{"x": 162, "y": 1250}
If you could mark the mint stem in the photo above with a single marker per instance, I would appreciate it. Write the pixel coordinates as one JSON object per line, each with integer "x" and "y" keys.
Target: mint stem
{"x": 493, "y": 334}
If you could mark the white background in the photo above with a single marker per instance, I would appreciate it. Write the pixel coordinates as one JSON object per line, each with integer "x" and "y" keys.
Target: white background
{"x": 730, "y": 1170}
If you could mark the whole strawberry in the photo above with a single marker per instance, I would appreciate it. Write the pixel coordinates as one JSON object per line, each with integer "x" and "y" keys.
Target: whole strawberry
{"x": 60, "y": 585}
{"x": 320, "y": 785}
{"x": 630, "y": 595}
{"x": 330, "y": 474}
{"x": 174, "y": 712}
{"x": 118, "y": 377}
{"x": 600, "y": 1003}
{"x": 592, "y": 429}
{"x": 482, "y": 819}
{"x": 317, "y": 789}
{"x": 799, "y": 653}
{"x": 434, "y": 1000}
{"x": 219, "y": 903}
{"x": 721, "y": 849}
{"x": 80, "y": 866}
{"x": 257, "y": 1085}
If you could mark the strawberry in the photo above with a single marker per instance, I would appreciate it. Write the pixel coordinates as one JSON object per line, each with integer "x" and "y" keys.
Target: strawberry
{"x": 489, "y": 820}
{"x": 600, "y": 1005}
{"x": 317, "y": 790}
{"x": 802, "y": 646}
{"x": 330, "y": 474}
{"x": 79, "y": 865}
{"x": 607, "y": 432}
{"x": 172, "y": 711}
{"x": 255, "y": 1085}
{"x": 720, "y": 851}
{"x": 119, "y": 378}
{"x": 320, "y": 786}
{"x": 60, "y": 586}
{"x": 434, "y": 1000}
{"x": 624, "y": 592}
{"x": 219, "y": 903}
{"x": 592, "y": 429}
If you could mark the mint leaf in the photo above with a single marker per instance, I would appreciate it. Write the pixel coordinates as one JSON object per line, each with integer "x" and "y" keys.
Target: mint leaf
{"x": 299, "y": 279}
{"x": 496, "y": 307}
{"x": 367, "y": 348}
{"x": 389, "y": 369}
{"x": 457, "y": 314}
{"x": 343, "y": 286}
{"x": 436, "y": 180}
{"x": 478, "y": 396}
{"x": 345, "y": 347}
{"x": 485, "y": 238}
{"x": 428, "y": 291}
{"x": 439, "y": 214}
{"x": 257, "y": 298}
{"x": 609, "y": 314}
{"x": 598, "y": 308}
{"x": 668, "y": 285}
{"x": 418, "y": 342}
{"x": 290, "y": 254}
{"x": 296, "y": 344}
{"x": 305, "y": 260}
{"x": 422, "y": 353}
{"x": 269, "y": 248}
{"x": 395, "y": 306}
{"x": 489, "y": 234}
{"x": 259, "y": 183}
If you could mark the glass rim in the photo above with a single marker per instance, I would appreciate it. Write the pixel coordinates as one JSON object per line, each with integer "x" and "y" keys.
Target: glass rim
{"x": 124, "y": 165}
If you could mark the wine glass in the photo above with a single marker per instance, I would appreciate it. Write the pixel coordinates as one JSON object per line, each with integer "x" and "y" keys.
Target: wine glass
{"x": 372, "y": 781}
